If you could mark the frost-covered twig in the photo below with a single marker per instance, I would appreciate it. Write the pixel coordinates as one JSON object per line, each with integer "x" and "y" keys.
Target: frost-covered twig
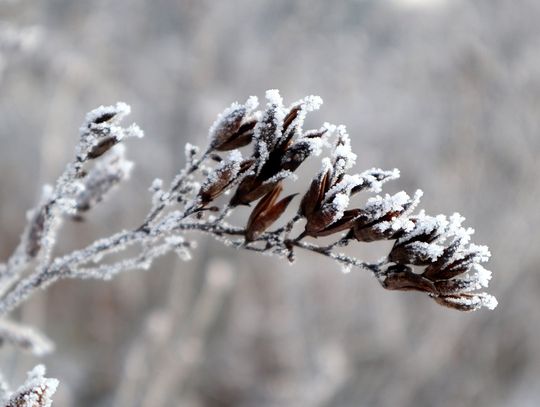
{"x": 25, "y": 337}
{"x": 431, "y": 254}
{"x": 451, "y": 265}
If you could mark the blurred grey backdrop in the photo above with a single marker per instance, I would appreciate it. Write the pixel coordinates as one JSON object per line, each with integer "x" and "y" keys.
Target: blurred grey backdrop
{"x": 447, "y": 91}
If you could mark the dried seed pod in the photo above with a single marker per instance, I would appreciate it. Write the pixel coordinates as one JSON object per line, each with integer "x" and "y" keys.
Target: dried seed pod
{"x": 102, "y": 178}
{"x": 296, "y": 155}
{"x": 314, "y": 196}
{"x": 253, "y": 187}
{"x": 102, "y": 147}
{"x": 456, "y": 285}
{"x": 101, "y": 131}
{"x": 241, "y": 138}
{"x": 400, "y": 277}
{"x": 459, "y": 260}
{"x": 268, "y": 132}
{"x": 104, "y": 117}
{"x": 226, "y": 125}
{"x": 344, "y": 223}
{"x": 223, "y": 177}
{"x": 266, "y": 213}
{"x": 419, "y": 245}
{"x": 416, "y": 253}
{"x": 467, "y": 301}
{"x": 291, "y": 116}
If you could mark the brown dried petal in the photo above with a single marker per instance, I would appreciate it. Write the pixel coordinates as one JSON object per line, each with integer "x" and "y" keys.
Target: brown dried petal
{"x": 221, "y": 180}
{"x": 295, "y": 156}
{"x": 455, "y": 286}
{"x": 407, "y": 254}
{"x": 316, "y": 133}
{"x": 462, "y": 302}
{"x": 104, "y": 117}
{"x": 242, "y": 137}
{"x": 402, "y": 278}
{"x": 454, "y": 269}
{"x": 441, "y": 269}
{"x": 250, "y": 189}
{"x": 266, "y": 130}
{"x": 291, "y": 116}
{"x": 266, "y": 213}
{"x": 313, "y": 198}
{"x": 102, "y": 147}
{"x": 371, "y": 234}
{"x": 320, "y": 220}
{"x": 344, "y": 223}
{"x": 227, "y": 126}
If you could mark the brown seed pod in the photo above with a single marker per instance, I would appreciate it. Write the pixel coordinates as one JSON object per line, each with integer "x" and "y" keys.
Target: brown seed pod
{"x": 266, "y": 213}
{"x": 102, "y": 147}
{"x": 400, "y": 277}
{"x": 221, "y": 180}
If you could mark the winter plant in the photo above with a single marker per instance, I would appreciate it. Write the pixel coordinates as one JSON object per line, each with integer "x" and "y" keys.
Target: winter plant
{"x": 430, "y": 254}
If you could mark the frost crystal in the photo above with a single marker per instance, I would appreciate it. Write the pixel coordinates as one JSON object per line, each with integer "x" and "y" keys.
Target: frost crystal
{"x": 37, "y": 391}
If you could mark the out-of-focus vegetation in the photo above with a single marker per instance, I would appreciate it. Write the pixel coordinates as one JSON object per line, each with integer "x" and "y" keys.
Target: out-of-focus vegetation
{"x": 448, "y": 93}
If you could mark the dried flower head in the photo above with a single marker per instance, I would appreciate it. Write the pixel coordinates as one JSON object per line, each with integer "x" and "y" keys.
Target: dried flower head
{"x": 430, "y": 254}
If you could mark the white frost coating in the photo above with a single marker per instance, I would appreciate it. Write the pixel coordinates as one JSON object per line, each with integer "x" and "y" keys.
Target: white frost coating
{"x": 482, "y": 275}
{"x": 399, "y": 223}
{"x": 481, "y": 252}
{"x": 91, "y": 133}
{"x": 425, "y": 225}
{"x": 235, "y": 156}
{"x": 35, "y": 392}
{"x": 488, "y": 301}
{"x": 475, "y": 301}
{"x": 326, "y": 165}
{"x": 25, "y": 338}
{"x": 340, "y": 202}
{"x": 231, "y": 166}
{"x": 283, "y": 174}
{"x": 371, "y": 178}
{"x": 315, "y": 145}
{"x": 190, "y": 150}
{"x": 108, "y": 172}
{"x": 120, "y": 110}
{"x": 157, "y": 184}
{"x": 346, "y": 268}
{"x": 344, "y": 186}
{"x": 379, "y": 206}
{"x": 455, "y": 229}
{"x": 274, "y": 97}
{"x": 47, "y": 192}
{"x": 223, "y": 117}
{"x": 312, "y": 103}
{"x": 425, "y": 250}
{"x": 343, "y": 155}
{"x": 175, "y": 240}
{"x": 415, "y": 201}
{"x": 338, "y": 206}
{"x": 251, "y": 103}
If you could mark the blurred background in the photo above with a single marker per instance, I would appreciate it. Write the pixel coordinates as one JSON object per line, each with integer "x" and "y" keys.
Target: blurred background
{"x": 446, "y": 91}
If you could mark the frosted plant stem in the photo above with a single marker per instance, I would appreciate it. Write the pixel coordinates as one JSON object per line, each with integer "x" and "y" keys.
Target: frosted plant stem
{"x": 69, "y": 266}
{"x": 175, "y": 186}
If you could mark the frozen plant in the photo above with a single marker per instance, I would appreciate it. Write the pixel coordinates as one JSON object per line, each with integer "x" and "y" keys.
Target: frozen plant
{"x": 35, "y": 392}
{"x": 431, "y": 254}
